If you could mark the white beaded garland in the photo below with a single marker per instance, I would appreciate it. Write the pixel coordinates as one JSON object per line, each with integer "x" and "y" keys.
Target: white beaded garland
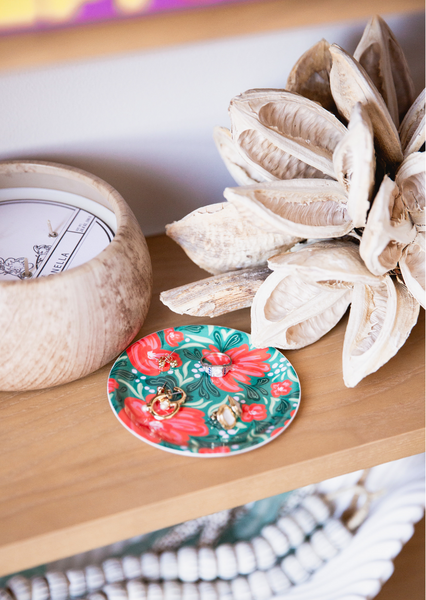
{"x": 265, "y": 556}
{"x": 337, "y": 533}
{"x": 40, "y": 589}
{"x": 113, "y": 570}
{"x": 190, "y": 591}
{"x": 168, "y": 565}
{"x": 20, "y": 587}
{"x": 241, "y": 589}
{"x": 307, "y": 557}
{"x": 136, "y": 590}
{"x": 150, "y": 566}
{"x": 259, "y": 586}
{"x": 114, "y": 591}
{"x": 277, "y": 539}
{"x": 131, "y": 567}
{"x": 226, "y": 562}
{"x": 187, "y": 558}
{"x": 94, "y": 577}
{"x": 172, "y": 590}
{"x": 322, "y": 545}
{"x": 294, "y": 570}
{"x": 292, "y": 531}
{"x": 317, "y": 507}
{"x": 96, "y": 596}
{"x": 207, "y": 591}
{"x": 77, "y": 583}
{"x": 246, "y": 560}
{"x": 58, "y": 585}
{"x": 278, "y": 581}
{"x": 207, "y": 564}
{"x": 304, "y": 519}
{"x": 223, "y": 590}
{"x": 154, "y": 592}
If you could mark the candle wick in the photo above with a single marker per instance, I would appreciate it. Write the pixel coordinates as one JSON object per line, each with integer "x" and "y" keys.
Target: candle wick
{"x": 27, "y": 272}
{"x": 52, "y": 233}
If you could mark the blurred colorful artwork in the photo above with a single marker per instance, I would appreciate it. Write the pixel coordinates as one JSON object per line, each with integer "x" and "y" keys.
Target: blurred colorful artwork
{"x": 18, "y": 15}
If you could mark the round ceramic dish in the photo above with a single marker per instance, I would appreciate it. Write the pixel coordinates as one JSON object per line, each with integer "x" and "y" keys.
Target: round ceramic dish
{"x": 262, "y": 380}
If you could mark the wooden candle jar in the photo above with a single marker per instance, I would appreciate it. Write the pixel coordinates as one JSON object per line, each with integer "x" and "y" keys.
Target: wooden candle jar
{"x": 61, "y": 327}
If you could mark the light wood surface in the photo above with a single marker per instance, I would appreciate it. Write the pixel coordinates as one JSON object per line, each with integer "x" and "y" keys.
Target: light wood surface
{"x": 28, "y": 50}
{"x": 72, "y": 478}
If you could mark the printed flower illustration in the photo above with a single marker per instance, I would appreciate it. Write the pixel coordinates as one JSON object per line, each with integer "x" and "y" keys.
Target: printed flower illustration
{"x": 253, "y": 412}
{"x": 219, "y": 450}
{"x": 188, "y": 422}
{"x": 145, "y": 353}
{"x": 173, "y": 338}
{"x": 281, "y": 388}
{"x": 245, "y": 364}
{"x": 112, "y": 385}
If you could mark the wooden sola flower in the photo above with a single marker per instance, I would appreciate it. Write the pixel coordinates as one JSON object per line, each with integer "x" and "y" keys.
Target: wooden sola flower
{"x": 329, "y": 210}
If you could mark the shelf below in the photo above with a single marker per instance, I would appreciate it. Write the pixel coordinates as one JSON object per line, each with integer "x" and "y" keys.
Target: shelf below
{"x": 73, "y": 478}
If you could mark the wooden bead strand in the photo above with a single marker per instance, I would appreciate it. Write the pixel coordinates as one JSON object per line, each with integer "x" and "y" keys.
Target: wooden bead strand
{"x": 282, "y": 555}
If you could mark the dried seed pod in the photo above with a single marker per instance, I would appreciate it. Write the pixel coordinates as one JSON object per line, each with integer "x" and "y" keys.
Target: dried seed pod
{"x": 218, "y": 239}
{"x": 383, "y": 59}
{"x": 355, "y": 162}
{"x": 351, "y": 84}
{"x": 288, "y": 136}
{"x": 412, "y": 130}
{"x": 410, "y": 179}
{"x": 310, "y": 76}
{"x": 307, "y": 208}
{"x": 412, "y": 265}
{"x": 389, "y": 229}
{"x": 243, "y": 172}
{"x": 290, "y": 312}
{"x": 380, "y": 320}
{"x": 216, "y": 295}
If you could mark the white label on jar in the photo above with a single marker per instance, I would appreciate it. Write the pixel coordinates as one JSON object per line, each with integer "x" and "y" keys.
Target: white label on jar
{"x": 24, "y": 234}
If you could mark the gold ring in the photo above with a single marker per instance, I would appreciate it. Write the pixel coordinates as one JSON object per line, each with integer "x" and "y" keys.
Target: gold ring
{"x": 164, "y": 398}
{"x": 227, "y": 414}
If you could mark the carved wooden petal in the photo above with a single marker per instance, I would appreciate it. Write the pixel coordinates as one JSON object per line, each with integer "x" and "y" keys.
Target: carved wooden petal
{"x": 218, "y": 239}
{"x": 295, "y": 126}
{"x": 355, "y": 162}
{"x": 307, "y": 208}
{"x": 351, "y": 84}
{"x": 412, "y": 130}
{"x": 242, "y": 171}
{"x": 289, "y": 312}
{"x": 383, "y": 59}
{"x": 410, "y": 179}
{"x": 310, "y": 76}
{"x": 389, "y": 229}
{"x": 380, "y": 320}
{"x": 412, "y": 265}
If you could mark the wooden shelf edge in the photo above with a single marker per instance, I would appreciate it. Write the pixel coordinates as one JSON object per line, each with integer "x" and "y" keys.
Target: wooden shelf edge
{"x": 65, "y": 542}
{"x": 39, "y": 49}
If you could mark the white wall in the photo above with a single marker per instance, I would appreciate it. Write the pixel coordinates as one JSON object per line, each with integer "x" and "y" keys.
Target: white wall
{"x": 143, "y": 122}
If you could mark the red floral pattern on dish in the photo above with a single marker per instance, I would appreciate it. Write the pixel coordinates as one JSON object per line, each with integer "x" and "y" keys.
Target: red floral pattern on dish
{"x": 187, "y": 423}
{"x": 218, "y": 450}
{"x": 245, "y": 364}
{"x": 112, "y": 385}
{"x": 173, "y": 338}
{"x": 281, "y": 388}
{"x": 256, "y": 412}
{"x": 145, "y": 353}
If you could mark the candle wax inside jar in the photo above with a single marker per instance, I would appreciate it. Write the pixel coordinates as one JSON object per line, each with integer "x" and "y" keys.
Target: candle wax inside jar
{"x": 83, "y": 227}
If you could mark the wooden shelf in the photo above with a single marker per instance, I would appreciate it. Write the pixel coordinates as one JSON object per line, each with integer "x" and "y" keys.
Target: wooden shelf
{"x": 72, "y": 478}
{"x": 28, "y": 50}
